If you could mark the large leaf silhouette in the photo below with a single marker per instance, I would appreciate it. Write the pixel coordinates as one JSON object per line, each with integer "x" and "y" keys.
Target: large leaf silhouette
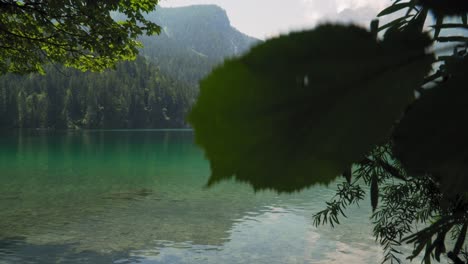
{"x": 432, "y": 137}
{"x": 300, "y": 109}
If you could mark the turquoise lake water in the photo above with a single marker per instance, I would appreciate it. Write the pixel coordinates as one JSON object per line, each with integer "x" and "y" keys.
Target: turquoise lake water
{"x": 122, "y": 196}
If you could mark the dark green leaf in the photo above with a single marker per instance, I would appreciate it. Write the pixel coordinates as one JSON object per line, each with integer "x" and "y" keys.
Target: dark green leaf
{"x": 461, "y": 239}
{"x": 433, "y": 77}
{"x": 450, "y": 25}
{"x": 427, "y": 254}
{"x": 440, "y": 244}
{"x": 397, "y": 22}
{"x": 431, "y": 138}
{"x": 391, "y": 170}
{"x": 452, "y": 39}
{"x": 300, "y": 109}
{"x": 374, "y": 191}
{"x": 374, "y": 28}
{"x": 81, "y": 34}
{"x": 394, "y": 8}
{"x": 439, "y": 22}
{"x": 417, "y": 250}
{"x": 348, "y": 174}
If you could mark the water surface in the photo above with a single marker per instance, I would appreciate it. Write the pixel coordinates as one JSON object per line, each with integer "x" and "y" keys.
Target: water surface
{"x": 122, "y": 196}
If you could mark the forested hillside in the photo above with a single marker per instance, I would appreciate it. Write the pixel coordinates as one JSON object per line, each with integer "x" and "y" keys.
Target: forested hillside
{"x": 193, "y": 40}
{"x": 155, "y": 91}
{"x": 135, "y": 95}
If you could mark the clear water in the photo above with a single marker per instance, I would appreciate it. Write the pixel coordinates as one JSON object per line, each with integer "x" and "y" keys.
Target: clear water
{"x": 139, "y": 197}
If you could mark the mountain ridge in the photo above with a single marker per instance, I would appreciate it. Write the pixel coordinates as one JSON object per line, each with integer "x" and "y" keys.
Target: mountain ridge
{"x": 196, "y": 33}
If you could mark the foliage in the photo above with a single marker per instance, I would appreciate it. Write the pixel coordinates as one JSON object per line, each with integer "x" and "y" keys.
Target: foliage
{"x": 79, "y": 33}
{"x": 304, "y": 108}
{"x": 135, "y": 95}
{"x": 253, "y": 110}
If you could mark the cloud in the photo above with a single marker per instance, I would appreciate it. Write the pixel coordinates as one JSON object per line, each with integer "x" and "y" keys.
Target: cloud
{"x": 267, "y": 18}
{"x": 349, "y": 11}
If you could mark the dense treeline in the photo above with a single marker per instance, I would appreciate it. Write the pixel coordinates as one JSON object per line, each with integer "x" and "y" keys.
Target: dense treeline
{"x": 135, "y": 95}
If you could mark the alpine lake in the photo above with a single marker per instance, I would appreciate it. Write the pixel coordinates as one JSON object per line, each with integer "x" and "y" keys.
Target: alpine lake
{"x": 139, "y": 196}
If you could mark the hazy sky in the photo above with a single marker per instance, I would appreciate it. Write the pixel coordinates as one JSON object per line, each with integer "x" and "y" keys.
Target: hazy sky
{"x": 266, "y": 18}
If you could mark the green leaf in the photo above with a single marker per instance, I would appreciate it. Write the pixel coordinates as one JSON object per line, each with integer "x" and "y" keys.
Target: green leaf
{"x": 300, "y": 109}
{"x": 449, "y": 25}
{"x": 431, "y": 138}
{"x": 452, "y": 39}
{"x": 439, "y": 244}
{"x": 374, "y": 191}
{"x": 461, "y": 239}
{"x": 348, "y": 174}
{"x": 393, "y": 8}
{"x": 81, "y": 33}
{"x": 397, "y": 22}
{"x": 439, "y": 22}
{"x": 427, "y": 254}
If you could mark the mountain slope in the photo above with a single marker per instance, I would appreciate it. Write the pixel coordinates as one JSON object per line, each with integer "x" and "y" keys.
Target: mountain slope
{"x": 193, "y": 40}
{"x": 204, "y": 29}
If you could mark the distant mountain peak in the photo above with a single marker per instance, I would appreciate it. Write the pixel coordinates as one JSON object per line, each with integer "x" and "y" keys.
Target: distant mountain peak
{"x": 199, "y": 13}
{"x": 198, "y": 7}
{"x": 197, "y": 37}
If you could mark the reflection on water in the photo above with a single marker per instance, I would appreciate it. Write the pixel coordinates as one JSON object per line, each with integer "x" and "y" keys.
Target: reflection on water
{"x": 139, "y": 197}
